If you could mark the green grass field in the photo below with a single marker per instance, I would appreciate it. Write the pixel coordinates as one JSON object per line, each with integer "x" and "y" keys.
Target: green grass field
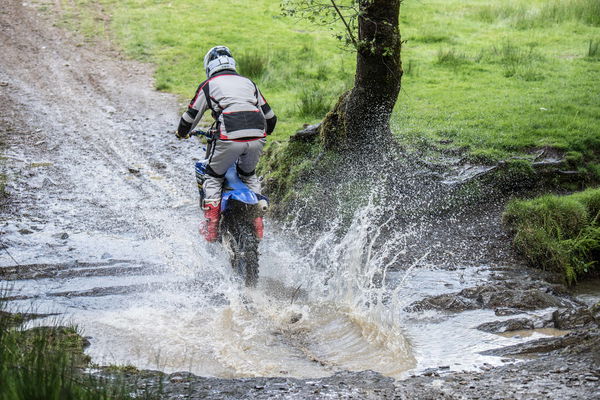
{"x": 494, "y": 77}
{"x": 501, "y": 77}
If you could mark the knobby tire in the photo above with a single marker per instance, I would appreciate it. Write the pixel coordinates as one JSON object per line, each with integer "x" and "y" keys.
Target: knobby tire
{"x": 244, "y": 248}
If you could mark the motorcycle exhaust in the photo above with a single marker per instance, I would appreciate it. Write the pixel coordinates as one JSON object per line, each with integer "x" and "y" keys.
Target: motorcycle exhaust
{"x": 263, "y": 206}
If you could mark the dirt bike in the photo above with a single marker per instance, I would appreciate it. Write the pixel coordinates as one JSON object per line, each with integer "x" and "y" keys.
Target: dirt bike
{"x": 239, "y": 207}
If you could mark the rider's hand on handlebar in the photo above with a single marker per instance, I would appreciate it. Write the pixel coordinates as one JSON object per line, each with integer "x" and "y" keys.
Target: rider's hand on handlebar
{"x": 198, "y": 133}
{"x": 186, "y": 136}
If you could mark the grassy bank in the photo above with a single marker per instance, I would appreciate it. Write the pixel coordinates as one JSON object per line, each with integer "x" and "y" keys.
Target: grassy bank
{"x": 559, "y": 233}
{"x": 46, "y": 363}
{"x": 493, "y": 78}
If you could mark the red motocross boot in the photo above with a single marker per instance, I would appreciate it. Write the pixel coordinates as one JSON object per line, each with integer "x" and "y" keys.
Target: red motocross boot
{"x": 209, "y": 228}
{"x": 259, "y": 227}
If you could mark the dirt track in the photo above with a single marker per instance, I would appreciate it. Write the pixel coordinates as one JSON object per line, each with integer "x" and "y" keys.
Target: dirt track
{"x": 96, "y": 180}
{"x": 82, "y": 119}
{"x": 89, "y": 149}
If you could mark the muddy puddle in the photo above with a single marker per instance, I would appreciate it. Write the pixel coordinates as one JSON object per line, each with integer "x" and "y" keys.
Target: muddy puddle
{"x": 588, "y": 291}
{"x": 179, "y": 307}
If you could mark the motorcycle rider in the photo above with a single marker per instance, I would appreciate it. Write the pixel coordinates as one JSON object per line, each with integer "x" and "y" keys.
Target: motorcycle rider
{"x": 243, "y": 119}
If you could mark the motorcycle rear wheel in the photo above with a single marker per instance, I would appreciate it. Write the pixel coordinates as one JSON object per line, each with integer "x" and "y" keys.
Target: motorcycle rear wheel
{"x": 242, "y": 245}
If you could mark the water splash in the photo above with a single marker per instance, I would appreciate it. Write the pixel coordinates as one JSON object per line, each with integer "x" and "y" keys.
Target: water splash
{"x": 326, "y": 301}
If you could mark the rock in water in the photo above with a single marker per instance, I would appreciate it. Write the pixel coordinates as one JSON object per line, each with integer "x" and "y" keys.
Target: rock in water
{"x": 515, "y": 324}
{"x": 573, "y": 318}
{"x": 295, "y": 318}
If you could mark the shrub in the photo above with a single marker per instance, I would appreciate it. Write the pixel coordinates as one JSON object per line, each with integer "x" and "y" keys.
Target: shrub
{"x": 313, "y": 103}
{"x": 252, "y": 64}
{"x": 451, "y": 57}
{"x": 594, "y": 49}
{"x": 560, "y": 233}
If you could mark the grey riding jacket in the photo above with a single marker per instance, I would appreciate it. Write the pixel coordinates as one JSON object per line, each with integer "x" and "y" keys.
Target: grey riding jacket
{"x": 238, "y": 107}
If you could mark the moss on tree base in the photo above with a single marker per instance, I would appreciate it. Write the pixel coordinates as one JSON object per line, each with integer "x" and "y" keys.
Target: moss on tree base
{"x": 333, "y": 130}
{"x": 284, "y": 166}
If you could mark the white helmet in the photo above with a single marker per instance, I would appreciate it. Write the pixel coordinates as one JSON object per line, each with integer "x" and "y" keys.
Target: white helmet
{"x": 217, "y": 59}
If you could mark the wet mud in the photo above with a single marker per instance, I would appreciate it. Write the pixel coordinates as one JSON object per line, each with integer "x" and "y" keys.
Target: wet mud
{"x": 100, "y": 226}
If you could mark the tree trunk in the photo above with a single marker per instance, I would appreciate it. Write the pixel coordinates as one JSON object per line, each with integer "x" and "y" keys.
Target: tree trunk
{"x": 361, "y": 117}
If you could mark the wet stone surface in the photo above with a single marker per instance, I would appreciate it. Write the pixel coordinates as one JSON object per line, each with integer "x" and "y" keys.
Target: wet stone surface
{"x": 571, "y": 318}
{"x": 515, "y": 324}
{"x": 504, "y": 294}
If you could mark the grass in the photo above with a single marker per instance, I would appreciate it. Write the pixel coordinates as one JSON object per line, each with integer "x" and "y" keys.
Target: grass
{"x": 594, "y": 49}
{"x": 313, "y": 103}
{"x": 559, "y": 233}
{"x": 286, "y": 163}
{"x": 451, "y": 57}
{"x": 505, "y": 89}
{"x": 535, "y": 14}
{"x": 48, "y": 362}
{"x": 495, "y": 77}
{"x": 45, "y": 363}
{"x": 282, "y": 55}
{"x": 252, "y": 64}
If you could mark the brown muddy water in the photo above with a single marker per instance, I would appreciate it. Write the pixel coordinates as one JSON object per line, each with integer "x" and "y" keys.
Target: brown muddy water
{"x": 180, "y": 307}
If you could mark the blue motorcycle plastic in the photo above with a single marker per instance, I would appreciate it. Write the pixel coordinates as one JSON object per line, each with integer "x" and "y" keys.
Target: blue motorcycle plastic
{"x": 234, "y": 189}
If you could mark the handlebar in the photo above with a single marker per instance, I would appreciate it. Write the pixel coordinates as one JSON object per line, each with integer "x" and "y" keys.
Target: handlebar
{"x": 201, "y": 133}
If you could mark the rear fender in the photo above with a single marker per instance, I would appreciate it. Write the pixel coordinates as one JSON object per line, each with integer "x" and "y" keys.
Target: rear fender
{"x": 243, "y": 196}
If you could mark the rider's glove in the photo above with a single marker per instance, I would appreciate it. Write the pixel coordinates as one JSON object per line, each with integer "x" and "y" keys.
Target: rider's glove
{"x": 182, "y": 136}
{"x": 184, "y": 128}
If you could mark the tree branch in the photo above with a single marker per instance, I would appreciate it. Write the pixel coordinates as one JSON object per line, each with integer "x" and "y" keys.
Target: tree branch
{"x": 345, "y": 23}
